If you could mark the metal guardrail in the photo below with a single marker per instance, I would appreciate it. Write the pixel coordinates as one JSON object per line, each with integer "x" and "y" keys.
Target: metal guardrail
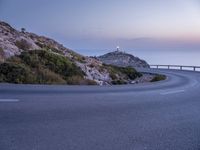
{"x": 194, "y": 68}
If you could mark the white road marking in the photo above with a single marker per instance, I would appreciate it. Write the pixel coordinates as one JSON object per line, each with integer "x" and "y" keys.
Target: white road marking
{"x": 9, "y": 100}
{"x": 195, "y": 83}
{"x": 172, "y": 92}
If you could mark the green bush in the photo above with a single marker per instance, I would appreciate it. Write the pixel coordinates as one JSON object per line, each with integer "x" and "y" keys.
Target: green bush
{"x": 89, "y": 82}
{"x": 129, "y": 72}
{"x": 74, "y": 80}
{"x": 42, "y": 67}
{"x": 1, "y": 49}
{"x": 56, "y": 63}
{"x": 45, "y": 76}
{"x": 1, "y": 55}
{"x": 78, "y": 57}
{"x": 158, "y": 78}
{"x": 118, "y": 82}
{"x": 14, "y": 73}
{"x": 113, "y": 76}
{"x": 48, "y": 47}
{"x": 77, "y": 80}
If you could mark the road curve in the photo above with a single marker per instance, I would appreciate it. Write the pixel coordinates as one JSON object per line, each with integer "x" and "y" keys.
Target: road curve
{"x": 152, "y": 116}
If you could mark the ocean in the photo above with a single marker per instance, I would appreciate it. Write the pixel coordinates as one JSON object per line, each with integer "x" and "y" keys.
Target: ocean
{"x": 187, "y": 58}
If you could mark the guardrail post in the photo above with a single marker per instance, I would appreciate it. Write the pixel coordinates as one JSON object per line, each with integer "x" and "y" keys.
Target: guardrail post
{"x": 181, "y": 67}
{"x": 157, "y": 66}
{"x": 194, "y": 68}
{"x": 168, "y": 67}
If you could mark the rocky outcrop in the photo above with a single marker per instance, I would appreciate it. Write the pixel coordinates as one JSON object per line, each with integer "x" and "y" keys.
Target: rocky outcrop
{"x": 123, "y": 59}
{"x": 14, "y": 42}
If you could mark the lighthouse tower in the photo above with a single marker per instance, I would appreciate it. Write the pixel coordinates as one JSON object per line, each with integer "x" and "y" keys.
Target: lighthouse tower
{"x": 118, "y": 50}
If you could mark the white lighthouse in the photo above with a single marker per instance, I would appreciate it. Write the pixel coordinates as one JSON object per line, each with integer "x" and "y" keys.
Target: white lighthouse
{"x": 118, "y": 49}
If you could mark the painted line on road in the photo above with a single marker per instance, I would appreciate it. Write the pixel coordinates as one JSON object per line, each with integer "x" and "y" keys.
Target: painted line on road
{"x": 9, "y": 100}
{"x": 195, "y": 83}
{"x": 172, "y": 92}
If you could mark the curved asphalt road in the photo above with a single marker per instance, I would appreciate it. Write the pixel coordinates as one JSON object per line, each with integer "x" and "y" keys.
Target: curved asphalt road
{"x": 160, "y": 116}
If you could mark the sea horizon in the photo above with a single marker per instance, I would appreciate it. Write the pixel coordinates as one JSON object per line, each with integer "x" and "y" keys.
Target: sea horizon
{"x": 154, "y": 57}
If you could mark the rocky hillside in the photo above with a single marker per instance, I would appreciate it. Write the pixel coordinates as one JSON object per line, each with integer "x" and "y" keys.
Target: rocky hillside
{"x": 29, "y": 58}
{"x": 122, "y": 59}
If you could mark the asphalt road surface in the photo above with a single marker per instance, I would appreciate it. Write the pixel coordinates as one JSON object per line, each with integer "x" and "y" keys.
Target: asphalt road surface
{"x": 159, "y": 116}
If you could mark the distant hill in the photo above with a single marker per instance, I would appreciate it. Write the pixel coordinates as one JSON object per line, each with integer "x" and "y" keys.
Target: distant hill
{"x": 122, "y": 59}
{"x": 29, "y": 58}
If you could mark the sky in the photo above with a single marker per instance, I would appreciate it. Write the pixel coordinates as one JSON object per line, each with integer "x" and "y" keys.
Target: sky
{"x": 93, "y": 27}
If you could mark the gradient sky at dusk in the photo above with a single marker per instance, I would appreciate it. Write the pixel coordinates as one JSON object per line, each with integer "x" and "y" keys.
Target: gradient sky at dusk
{"x": 134, "y": 25}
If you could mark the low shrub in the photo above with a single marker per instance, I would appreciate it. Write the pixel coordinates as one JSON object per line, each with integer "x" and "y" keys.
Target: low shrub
{"x": 23, "y": 44}
{"x": 48, "y": 47}
{"x": 56, "y": 63}
{"x": 45, "y": 76}
{"x": 1, "y": 55}
{"x": 91, "y": 65}
{"x": 113, "y": 76}
{"x": 89, "y": 82}
{"x": 74, "y": 80}
{"x": 77, "y": 80}
{"x": 158, "y": 78}
{"x": 129, "y": 72}
{"x": 42, "y": 67}
{"x": 78, "y": 57}
{"x": 15, "y": 73}
{"x": 118, "y": 82}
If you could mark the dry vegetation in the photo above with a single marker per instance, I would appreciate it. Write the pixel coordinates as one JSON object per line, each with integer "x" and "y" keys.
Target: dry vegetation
{"x": 42, "y": 67}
